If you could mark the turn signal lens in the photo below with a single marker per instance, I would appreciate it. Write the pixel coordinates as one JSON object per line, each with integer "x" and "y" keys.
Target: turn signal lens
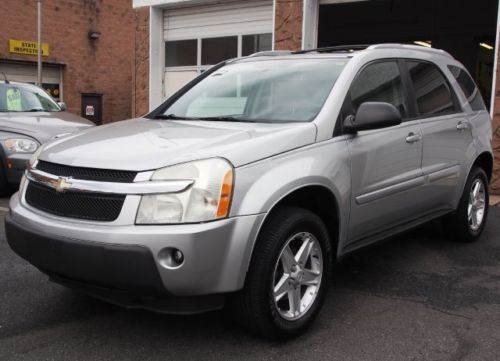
{"x": 225, "y": 195}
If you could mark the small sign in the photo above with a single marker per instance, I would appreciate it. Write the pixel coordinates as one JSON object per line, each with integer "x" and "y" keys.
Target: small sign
{"x": 27, "y": 47}
{"x": 89, "y": 110}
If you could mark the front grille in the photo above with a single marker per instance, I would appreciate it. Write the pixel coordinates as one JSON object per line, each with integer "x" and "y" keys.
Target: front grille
{"x": 94, "y": 174}
{"x": 87, "y": 206}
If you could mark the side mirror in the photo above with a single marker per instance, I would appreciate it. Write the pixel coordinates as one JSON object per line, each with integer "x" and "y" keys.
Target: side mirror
{"x": 62, "y": 105}
{"x": 372, "y": 115}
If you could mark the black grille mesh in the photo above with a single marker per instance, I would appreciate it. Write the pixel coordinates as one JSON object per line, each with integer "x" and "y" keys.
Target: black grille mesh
{"x": 94, "y": 174}
{"x": 87, "y": 206}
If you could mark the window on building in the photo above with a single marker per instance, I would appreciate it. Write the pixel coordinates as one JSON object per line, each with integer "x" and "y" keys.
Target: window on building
{"x": 432, "y": 91}
{"x": 181, "y": 53}
{"x": 185, "y": 59}
{"x": 468, "y": 87}
{"x": 255, "y": 43}
{"x": 379, "y": 82}
{"x": 215, "y": 50}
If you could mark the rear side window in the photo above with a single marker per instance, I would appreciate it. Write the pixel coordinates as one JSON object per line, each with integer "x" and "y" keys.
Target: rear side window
{"x": 468, "y": 87}
{"x": 432, "y": 92}
{"x": 379, "y": 82}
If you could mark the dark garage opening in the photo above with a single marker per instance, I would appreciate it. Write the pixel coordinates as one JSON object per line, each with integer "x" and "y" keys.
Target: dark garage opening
{"x": 466, "y": 29}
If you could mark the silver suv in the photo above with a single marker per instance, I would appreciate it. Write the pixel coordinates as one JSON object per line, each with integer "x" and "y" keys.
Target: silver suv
{"x": 247, "y": 185}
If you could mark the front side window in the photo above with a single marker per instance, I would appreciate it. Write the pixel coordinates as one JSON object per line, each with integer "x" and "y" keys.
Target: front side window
{"x": 468, "y": 87}
{"x": 286, "y": 90}
{"x": 432, "y": 92}
{"x": 379, "y": 82}
{"x": 25, "y": 98}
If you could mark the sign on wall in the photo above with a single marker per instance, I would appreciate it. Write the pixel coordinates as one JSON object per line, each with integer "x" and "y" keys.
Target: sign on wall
{"x": 27, "y": 47}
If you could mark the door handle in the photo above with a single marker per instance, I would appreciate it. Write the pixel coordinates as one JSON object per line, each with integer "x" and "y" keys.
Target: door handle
{"x": 413, "y": 138}
{"x": 462, "y": 125}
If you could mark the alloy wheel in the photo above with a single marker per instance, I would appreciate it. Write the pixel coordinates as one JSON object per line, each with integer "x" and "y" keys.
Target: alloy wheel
{"x": 297, "y": 276}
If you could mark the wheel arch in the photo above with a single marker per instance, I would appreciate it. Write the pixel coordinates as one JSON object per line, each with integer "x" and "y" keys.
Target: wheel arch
{"x": 484, "y": 161}
{"x": 318, "y": 199}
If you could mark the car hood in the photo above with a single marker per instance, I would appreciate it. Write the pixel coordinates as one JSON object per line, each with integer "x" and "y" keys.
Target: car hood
{"x": 42, "y": 125}
{"x": 144, "y": 144}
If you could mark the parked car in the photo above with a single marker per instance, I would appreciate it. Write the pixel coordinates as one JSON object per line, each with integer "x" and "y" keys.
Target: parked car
{"x": 28, "y": 118}
{"x": 246, "y": 186}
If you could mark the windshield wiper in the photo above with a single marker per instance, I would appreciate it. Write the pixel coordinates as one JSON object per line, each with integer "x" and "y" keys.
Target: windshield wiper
{"x": 222, "y": 118}
{"x": 35, "y": 110}
{"x": 173, "y": 117}
{"x": 228, "y": 118}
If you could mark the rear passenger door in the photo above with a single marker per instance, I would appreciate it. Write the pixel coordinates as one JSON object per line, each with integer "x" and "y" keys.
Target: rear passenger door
{"x": 447, "y": 136}
{"x": 386, "y": 174}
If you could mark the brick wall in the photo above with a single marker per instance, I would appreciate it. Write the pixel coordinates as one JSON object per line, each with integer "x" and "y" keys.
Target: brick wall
{"x": 288, "y": 25}
{"x": 140, "y": 97}
{"x": 102, "y": 66}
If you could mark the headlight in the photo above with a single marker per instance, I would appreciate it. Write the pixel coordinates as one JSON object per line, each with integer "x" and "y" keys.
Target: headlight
{"x": 34, "y": 157}
{"x": 20, "y": 145}
{"x": 207, "y": 199}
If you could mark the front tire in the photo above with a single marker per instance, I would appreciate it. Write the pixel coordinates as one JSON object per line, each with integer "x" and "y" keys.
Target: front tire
{"x": 288, "y": 276}
{"x": 4, "y": 185}
{"x": 467, "y": 223}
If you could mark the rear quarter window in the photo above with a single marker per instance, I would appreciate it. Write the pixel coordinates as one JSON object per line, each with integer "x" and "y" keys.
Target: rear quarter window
{"x": 468, "y": 87}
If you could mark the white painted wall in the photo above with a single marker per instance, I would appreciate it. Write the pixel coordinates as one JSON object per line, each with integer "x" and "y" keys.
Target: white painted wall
{"x": 310, "y": 24}
{"x": 139, "y": 3}
{"x": 156, "y": 59}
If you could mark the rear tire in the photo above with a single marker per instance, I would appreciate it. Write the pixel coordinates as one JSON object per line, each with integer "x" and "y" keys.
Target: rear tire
{"x": 285, "y": 288}
{"x": 467, "y": 223}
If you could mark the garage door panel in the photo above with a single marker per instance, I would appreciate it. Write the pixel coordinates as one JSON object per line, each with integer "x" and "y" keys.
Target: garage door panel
{"x": 27, "y": 73}
{"x": 250, "y": 17}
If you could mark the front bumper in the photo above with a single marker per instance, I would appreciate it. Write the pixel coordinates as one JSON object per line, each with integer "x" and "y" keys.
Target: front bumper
{"x": 128, "y": 257}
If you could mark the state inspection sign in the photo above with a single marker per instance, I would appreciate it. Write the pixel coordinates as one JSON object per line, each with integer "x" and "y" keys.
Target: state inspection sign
{"x": 27, "y": 47}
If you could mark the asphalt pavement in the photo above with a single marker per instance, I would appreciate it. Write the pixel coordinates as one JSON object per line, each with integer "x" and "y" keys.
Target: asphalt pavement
{"x": 416, "y": 297}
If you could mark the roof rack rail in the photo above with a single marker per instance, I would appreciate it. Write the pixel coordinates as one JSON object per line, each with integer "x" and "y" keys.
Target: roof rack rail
{"x": 271, "y": 53}
{"x": 409, "y": 47}
{"x": 336, "y": 48}
{"x": 352, "y": 48}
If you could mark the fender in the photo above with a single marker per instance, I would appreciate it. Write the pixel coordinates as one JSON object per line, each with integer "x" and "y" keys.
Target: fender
{"x": 260, "y": 186}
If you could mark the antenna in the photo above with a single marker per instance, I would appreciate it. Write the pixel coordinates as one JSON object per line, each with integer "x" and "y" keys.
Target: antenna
{"x": 5, "y": 78}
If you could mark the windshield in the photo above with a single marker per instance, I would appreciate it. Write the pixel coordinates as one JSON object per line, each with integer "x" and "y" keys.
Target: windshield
{"x": 291, "y": 90}
{"x": 25, "y": 98}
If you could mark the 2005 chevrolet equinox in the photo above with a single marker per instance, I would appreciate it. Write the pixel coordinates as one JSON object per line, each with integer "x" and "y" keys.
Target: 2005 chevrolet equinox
{"x": 246, "y": 186}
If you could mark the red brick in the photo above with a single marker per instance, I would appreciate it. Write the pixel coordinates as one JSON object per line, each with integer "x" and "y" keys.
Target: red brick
{"x": 140, "y": 97}
{"x": 90, "y": 66}
{"x": 288, "y": 25}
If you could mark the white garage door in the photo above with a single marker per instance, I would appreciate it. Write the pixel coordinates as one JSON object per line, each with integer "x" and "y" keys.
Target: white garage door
{"x": 27, "y": 73}
{"x": 200, "y": 36}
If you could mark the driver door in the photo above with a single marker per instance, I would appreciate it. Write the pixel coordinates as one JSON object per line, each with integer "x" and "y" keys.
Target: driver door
{"x": 386, "y": 164}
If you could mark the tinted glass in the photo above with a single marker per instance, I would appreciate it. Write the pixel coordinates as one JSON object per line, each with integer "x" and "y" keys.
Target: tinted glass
{"x": 181, "y": 53}
{"x": 468, "y": 87}
{"x": 291, "y": 90}
{"x": 432, "y": 91}
{"x": 25, "y": 98}
{"x": 215, "y": 50}
{"x": 255, "y": 43}
{"x": 379, "y": 82}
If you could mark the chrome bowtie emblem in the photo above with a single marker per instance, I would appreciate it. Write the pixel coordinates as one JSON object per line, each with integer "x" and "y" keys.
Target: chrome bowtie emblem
{"x": 61, "y": 185}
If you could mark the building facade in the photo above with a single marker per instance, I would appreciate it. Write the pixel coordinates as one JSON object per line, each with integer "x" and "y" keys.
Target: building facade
{"x": 88, "y": 59}
{"x": 184, "y": 37}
